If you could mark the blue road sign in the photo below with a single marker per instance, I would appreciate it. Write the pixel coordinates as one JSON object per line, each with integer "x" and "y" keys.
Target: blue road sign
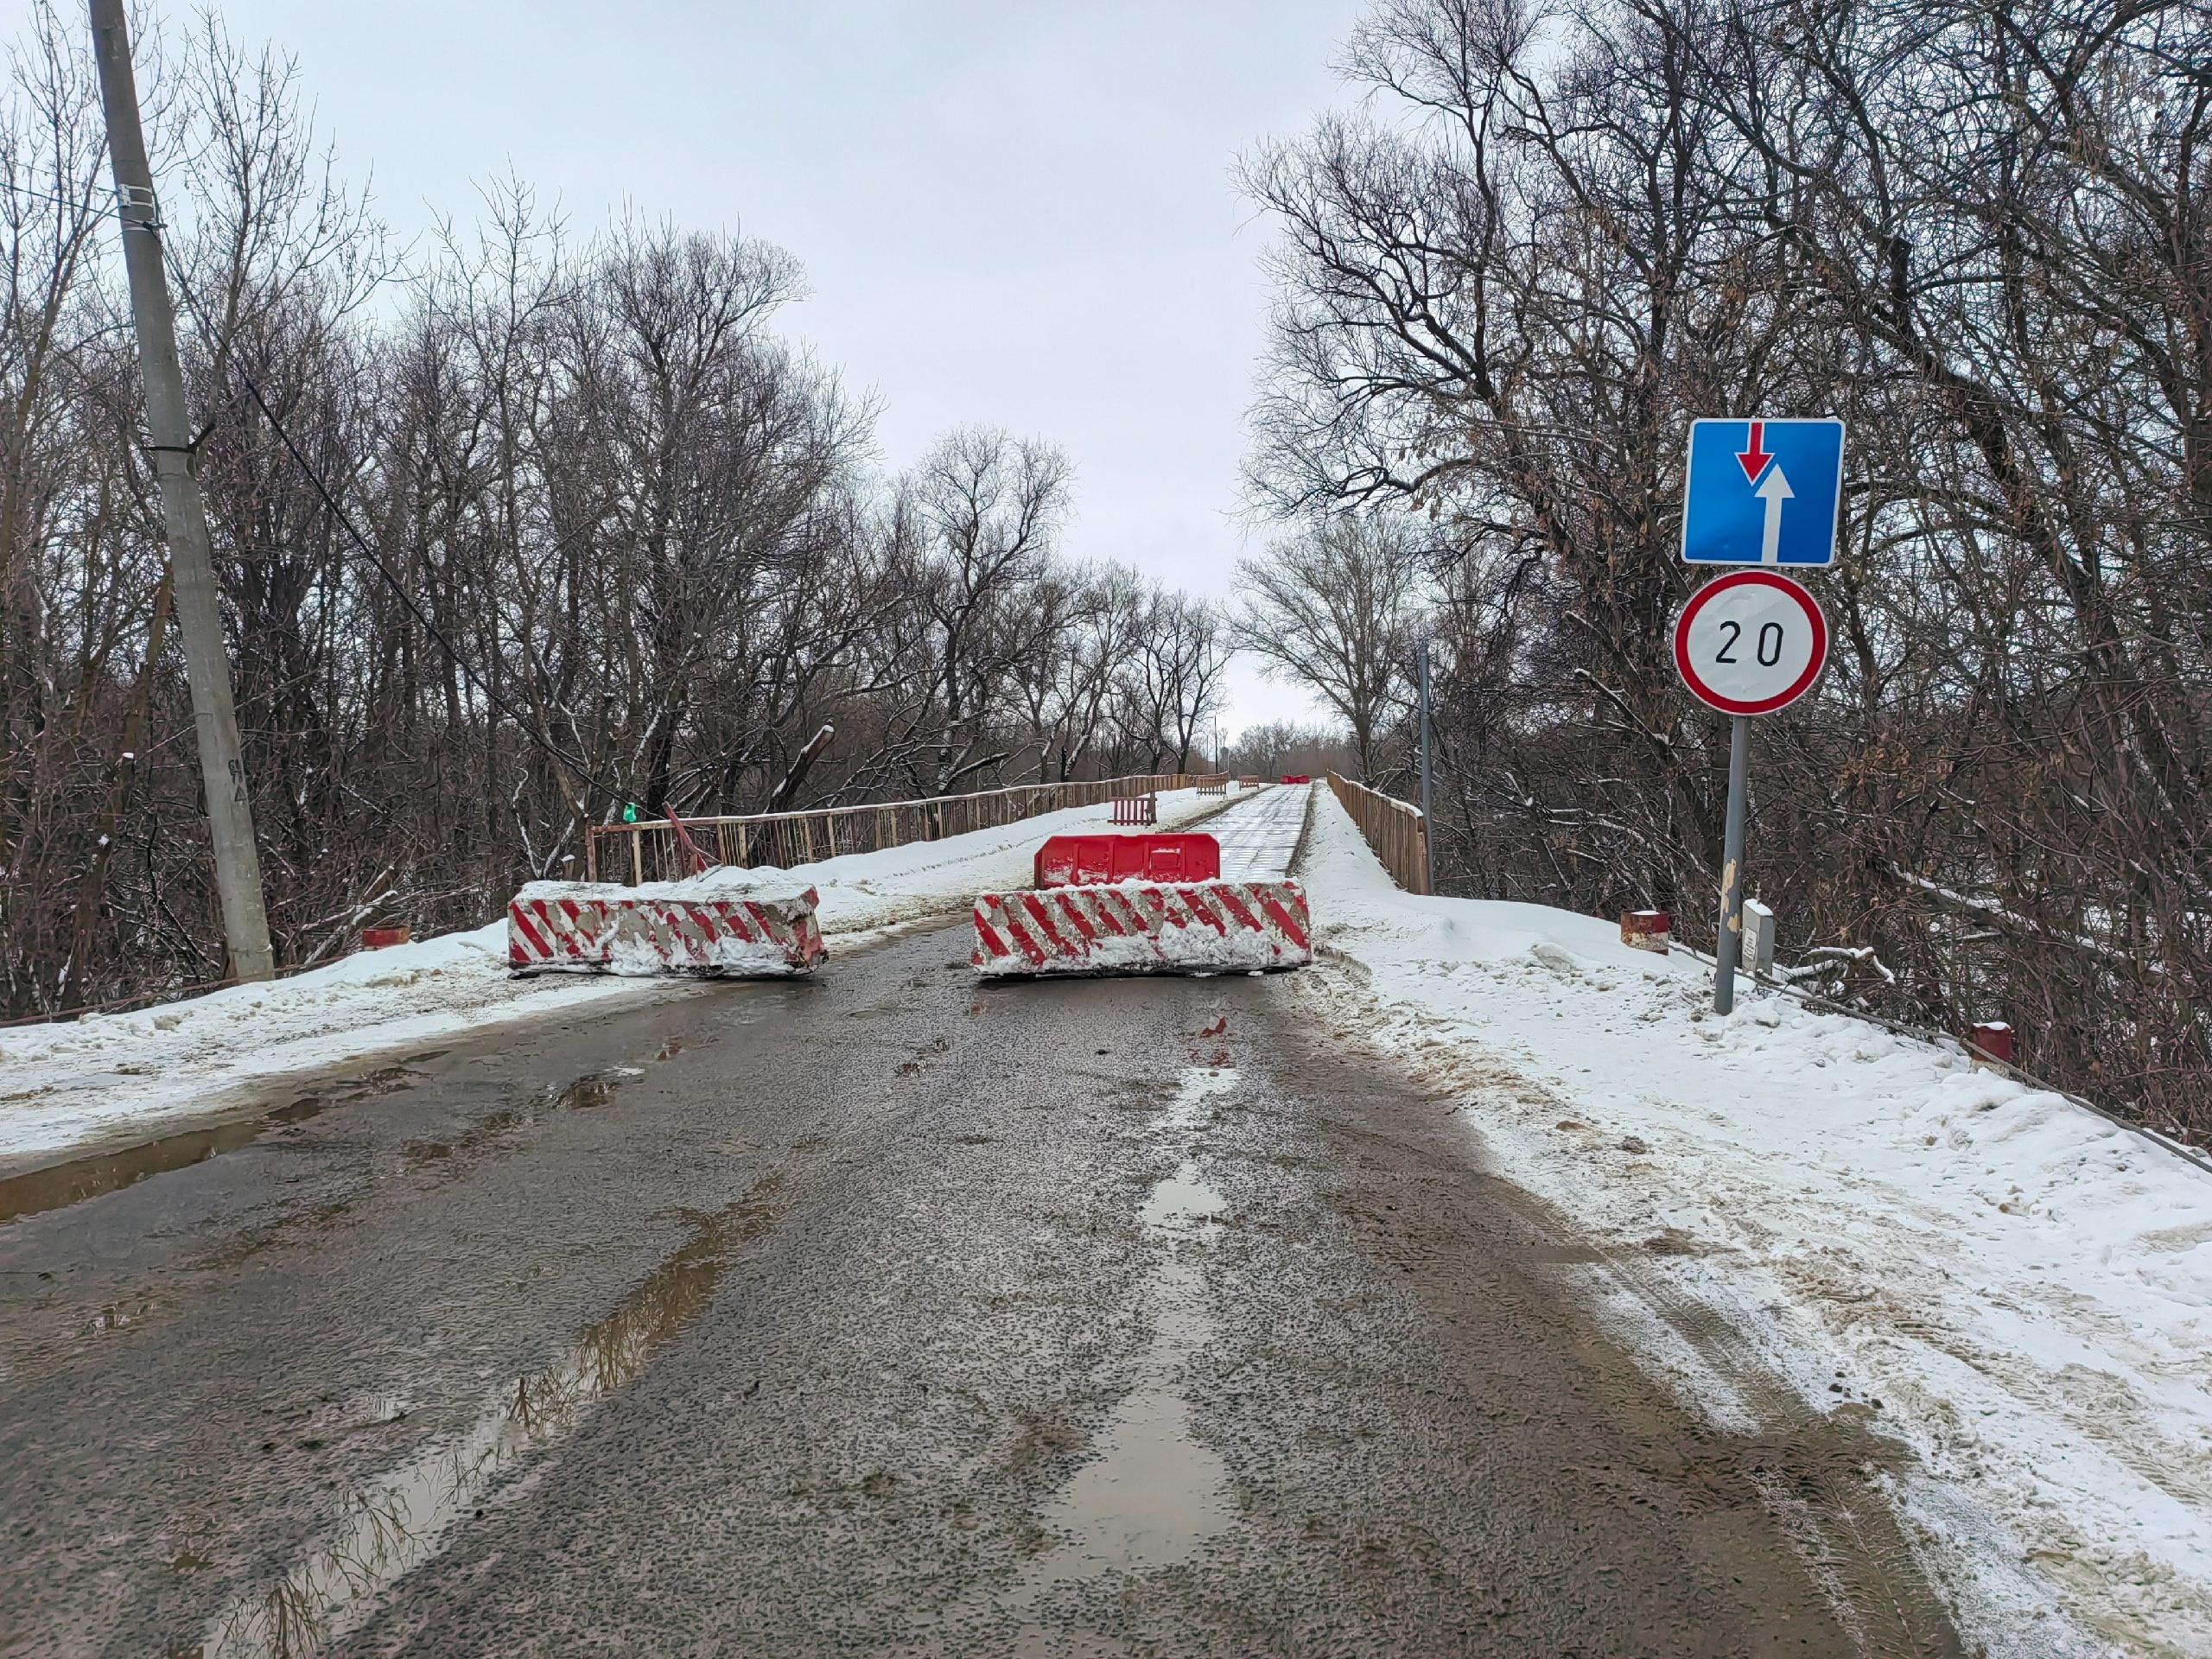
{"x": 1763, "y": 492}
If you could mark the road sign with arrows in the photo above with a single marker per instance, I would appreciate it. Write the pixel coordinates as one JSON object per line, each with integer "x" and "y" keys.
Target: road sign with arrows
{"x": 1763, "y": 492}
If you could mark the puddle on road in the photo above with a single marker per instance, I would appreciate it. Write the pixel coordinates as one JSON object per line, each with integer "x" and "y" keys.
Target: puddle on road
{"x": 1188, "y": 1110}
{"x": 1182, "y": 1199}
{"x": 594, "y": 1089}
{"x": 386, "y": 1526}
{"x": 55, "y": 1188}
{"x": 37, "y": 1190}
{"x": 1154, "y": 1493}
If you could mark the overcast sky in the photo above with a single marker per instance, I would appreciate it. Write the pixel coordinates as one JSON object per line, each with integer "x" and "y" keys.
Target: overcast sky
{"x": 1019, "y": 213}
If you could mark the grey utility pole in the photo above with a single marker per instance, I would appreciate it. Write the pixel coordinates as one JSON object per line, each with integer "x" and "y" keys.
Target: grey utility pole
{"x": 1427, "y": 826}
{"x": 1727, "y": 952}
{"x": 184, "y": 515}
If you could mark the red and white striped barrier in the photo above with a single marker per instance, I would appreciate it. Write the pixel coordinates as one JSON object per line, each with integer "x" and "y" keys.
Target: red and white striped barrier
{"x": 1144, "y": 927}
{"x": 666, "y": 929}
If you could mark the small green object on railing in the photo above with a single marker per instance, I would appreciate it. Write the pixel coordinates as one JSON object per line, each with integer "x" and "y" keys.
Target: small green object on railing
{"x": 630, "y": 813}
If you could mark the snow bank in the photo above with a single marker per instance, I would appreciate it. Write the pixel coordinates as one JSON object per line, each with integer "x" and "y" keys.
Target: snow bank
{"x": 2024, "y": 1289}
{"x": 65, "y": 1086}
{"x": 764, "y": 882}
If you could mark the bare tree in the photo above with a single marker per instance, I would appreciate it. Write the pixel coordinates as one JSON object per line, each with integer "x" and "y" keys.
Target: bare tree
{"x": 1976, "y": 230}
{"x": 1337, "y": 609}
{"x": 988, "y": 511}
{"x": 623, "y": 543}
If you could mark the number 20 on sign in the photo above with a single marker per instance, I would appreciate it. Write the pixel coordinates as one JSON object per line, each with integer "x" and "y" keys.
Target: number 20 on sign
{"x": 1751, "y": 643}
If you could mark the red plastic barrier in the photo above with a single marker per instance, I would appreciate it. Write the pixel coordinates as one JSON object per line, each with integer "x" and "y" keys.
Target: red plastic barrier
{"x": 1302, "y": 778}
{"x": 1105, "y": 860}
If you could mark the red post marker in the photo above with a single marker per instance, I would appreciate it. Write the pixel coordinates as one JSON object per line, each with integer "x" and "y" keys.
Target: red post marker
{"x": 1994, "y": 1039}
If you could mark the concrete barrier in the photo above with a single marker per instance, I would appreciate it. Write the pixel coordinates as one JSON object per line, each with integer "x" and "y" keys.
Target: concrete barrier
{"x": 702, "y": 927}
{"x": 1151, "y": 904}
{"x": 1144, "y": 927}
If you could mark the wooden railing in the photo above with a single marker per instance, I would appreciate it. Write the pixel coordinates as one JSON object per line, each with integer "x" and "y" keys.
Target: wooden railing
{"x": 1395, "y": 828}
{"x": 652, "y": 851}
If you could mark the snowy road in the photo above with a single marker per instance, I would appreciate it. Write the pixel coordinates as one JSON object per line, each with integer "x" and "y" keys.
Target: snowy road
{"x": 1258, "y": 838}
{"x": 1472, "y": 1290}
{"x": 887, "y": 1314}
{"x": 106, "y": 1080}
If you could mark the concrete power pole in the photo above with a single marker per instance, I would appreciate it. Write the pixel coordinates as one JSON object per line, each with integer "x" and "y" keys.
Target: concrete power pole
{"x": 184, "y": 515}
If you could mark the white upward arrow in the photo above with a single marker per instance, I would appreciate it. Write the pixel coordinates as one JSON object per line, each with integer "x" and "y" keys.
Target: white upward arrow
{"x": 1774, "y": 489}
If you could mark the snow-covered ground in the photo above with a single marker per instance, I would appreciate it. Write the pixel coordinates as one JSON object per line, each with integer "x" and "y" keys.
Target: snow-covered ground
{"x": 78, "y": 1084}
{"x": 1800, "y": 1201}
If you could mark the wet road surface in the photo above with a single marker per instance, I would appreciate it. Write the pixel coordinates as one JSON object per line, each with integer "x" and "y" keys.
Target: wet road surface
{"x": 878, "y": 1314}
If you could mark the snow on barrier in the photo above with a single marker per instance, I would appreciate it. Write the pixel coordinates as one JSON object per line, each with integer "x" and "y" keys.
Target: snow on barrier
{"x": 713, "y": 924}
{"x": 1101, "y": 907}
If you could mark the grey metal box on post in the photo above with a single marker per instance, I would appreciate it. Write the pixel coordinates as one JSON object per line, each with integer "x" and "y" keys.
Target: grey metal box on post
{"x": 1758, "y": 939}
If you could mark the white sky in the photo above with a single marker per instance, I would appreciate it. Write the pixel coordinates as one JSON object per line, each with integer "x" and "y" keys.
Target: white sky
{"x": 1019, "y": 214}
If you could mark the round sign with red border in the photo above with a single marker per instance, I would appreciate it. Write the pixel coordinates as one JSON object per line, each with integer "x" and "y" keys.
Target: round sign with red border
{"x": 1751, "y": 643}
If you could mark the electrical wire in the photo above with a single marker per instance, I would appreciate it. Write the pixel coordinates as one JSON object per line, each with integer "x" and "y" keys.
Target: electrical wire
{"x": 574, "y": 764}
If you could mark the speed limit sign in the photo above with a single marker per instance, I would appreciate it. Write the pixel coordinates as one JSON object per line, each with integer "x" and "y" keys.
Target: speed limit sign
{"x": 1751, "y": 643}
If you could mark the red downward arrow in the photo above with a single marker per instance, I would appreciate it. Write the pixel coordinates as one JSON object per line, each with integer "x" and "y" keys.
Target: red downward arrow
{"x": 1754, "y": 460}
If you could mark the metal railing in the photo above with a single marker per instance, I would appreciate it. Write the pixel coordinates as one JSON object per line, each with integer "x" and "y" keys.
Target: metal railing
{"x": 653, "y": 850}
{"x": 1395, "y": 828}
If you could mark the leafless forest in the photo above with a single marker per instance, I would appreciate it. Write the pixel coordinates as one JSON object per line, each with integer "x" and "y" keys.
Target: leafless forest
{"x": 603, "y": 488}
{"x": 600, "y": 487}
{"x": 1979, "y": 231}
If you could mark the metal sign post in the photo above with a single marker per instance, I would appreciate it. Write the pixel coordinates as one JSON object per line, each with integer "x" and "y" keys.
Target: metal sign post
{"x": 1732, "y": 869}
{"x": 1747, "y": 645}
{"x": 1758, "y": 492}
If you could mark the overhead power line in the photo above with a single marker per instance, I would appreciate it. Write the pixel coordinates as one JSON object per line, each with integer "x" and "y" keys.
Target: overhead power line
{"x": 574, "y": 764}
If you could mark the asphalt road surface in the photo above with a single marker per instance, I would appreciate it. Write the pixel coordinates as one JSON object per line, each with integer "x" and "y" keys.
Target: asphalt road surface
{"x": 881, "y": 1313}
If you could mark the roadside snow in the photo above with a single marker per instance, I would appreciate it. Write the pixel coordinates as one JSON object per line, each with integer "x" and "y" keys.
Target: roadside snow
{"x": 2024, "y": 1289}
{"x": 72, "y": 1085}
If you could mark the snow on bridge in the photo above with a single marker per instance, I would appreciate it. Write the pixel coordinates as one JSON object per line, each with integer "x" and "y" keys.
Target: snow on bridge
{"x": 1259, "y": 838}
{"x": 2017, "y": 1289}
{"x": 112, "y": 1078}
